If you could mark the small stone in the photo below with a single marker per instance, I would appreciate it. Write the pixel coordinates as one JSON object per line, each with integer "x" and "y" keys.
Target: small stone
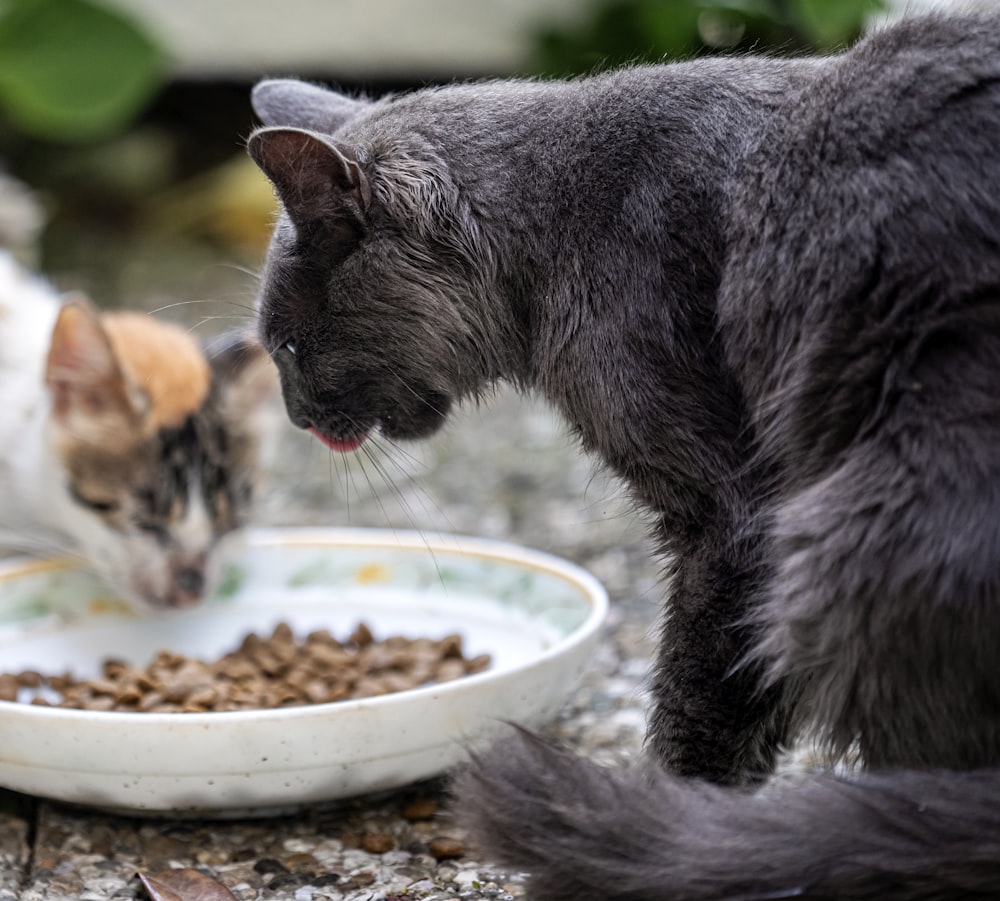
{"x": 467, "y": 877}
{"x": 446, "y": 848}
{"x": 420, "y": 809}
{"x": 269, "y": 865}
{"x": 377, "y": 842}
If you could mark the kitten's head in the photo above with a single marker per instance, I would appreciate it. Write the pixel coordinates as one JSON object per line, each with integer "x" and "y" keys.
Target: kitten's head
{"x": 158, "y": 444}
{"x": 368, "y": 304}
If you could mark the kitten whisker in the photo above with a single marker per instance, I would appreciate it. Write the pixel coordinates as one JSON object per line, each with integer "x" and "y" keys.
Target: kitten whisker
{"x": 36, "y": 545}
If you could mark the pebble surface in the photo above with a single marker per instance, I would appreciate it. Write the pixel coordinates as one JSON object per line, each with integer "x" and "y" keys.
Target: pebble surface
{"x": 507, "y": 470}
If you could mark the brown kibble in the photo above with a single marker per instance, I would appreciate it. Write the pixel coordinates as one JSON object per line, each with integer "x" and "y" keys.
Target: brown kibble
{"x": 130, "y": 696}
{"x": 267, "y": 661}
{"x": 234, "y": 668}
{"x": 103, "y": 687}
{"x": 205, "y": 696}
{"x": 393, "y": 682}
{"x": 316, "y": 691}
{"x": 338, "y": 693}
{"x": 114, "y": 669}
{"x": 101, "y": 702}
{"x": 450, "y": 646}
{"x": 362, "y": 636}
{"x": 263, "y": 672}
{"x": 377, "y": 842}
{"x": 322, "y": 637}
{"x": 29, "y": 678}
{"x": 449, "y": 669}
{"x": 60, "y": 683}
{"x": 478, "y": 664}
{"x": 325, "y": 658}
{"x": 151, "y": 701}
{"x": 167, "y": 660}
{"x": 9, "y": 686}
{"x": 186, "y": 678}
{"x": 445, "y": 848}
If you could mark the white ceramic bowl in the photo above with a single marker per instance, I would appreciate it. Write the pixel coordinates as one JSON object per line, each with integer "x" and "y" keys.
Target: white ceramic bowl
{"x": 538, "y": 616}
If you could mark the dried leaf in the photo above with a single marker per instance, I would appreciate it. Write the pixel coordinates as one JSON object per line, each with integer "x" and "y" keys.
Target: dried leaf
{"x": 184, "y": 885}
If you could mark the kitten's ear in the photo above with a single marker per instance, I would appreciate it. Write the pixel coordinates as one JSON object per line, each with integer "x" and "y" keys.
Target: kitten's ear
{"x": 248, "y": 389}
{"x": 316, "y": 180}
{"x": 246, "y": 375}
{"x": 91, "y": 397}
{"x": 286, "y": 101}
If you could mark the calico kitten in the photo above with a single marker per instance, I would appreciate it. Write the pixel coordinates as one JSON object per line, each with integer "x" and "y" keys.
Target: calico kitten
{"x": 122, "y": 441}
{"x": 767, "y": 294}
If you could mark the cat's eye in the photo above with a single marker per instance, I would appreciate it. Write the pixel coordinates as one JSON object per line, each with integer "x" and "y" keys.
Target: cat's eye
{"x": 154, "y": 530}
{"x": 98, "y": 505}
{"x": 290, "y": 347}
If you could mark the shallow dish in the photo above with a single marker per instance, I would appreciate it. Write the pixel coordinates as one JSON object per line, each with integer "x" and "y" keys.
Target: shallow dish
{"x": 538, "y": 616}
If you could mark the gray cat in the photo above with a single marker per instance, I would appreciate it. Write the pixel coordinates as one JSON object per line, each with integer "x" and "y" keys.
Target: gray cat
{"x": 767, "y": 294}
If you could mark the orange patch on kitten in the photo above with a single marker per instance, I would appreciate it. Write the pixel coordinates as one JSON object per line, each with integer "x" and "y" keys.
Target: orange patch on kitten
{"x": 163, "y": 361}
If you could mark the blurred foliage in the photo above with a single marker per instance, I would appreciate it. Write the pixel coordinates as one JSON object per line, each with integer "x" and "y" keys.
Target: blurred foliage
{"x": 73, "y": 70}
{"x": 630, "y": 31}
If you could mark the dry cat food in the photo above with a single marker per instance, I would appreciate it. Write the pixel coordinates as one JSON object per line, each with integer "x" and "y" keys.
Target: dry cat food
{"x": 264, "y": 672}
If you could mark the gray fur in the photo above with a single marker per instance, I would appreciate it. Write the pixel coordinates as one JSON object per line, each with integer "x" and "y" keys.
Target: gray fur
{"x": 767, "y": 294}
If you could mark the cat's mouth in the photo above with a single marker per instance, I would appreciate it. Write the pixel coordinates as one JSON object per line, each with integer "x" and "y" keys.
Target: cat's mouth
{"x": 347, "y": 432}
{"x": 342, "y": 445}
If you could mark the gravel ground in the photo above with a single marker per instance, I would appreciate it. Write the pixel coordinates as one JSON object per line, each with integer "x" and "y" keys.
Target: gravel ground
{"x": 507, "y": 470}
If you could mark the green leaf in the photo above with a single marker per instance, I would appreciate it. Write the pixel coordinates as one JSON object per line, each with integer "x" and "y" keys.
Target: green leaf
{"x": 72, "y": 70}
{"x": 832, "y": 24}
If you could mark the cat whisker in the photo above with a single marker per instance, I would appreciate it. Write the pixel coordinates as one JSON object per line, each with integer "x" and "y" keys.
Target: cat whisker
{"x": 205, "y": 320}
{"x": 391, "y": 484}
{"x": 347, "y": 482}
{"x": 248, "y": 310}
{"x": 237, "y": 267}
{"x": 181, "y": 303}
{"x": 416, "y": 394}
{"x": 424, "y": 496}
{"x": 401, "y": 451}
{"x": 366, "y": 453}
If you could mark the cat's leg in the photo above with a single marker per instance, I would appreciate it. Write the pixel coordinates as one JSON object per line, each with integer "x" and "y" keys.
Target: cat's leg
{"x": 886, "y": 602}
{"x": 711, "y": 717}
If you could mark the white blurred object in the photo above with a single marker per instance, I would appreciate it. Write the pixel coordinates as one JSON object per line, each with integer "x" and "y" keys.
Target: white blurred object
{"x": 357, "y": 39}
{"x": 349, "y": 38}
{"x": 22, "y": 218}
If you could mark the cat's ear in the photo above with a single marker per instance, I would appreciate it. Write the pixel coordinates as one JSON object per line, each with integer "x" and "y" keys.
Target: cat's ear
{"x": 286, "y": 101}
{"x": 92, "y": 400}
{"x": 317, "y": 180}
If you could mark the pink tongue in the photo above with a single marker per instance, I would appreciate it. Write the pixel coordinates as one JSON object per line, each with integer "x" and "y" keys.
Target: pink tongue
{"x": 338, "y": 444}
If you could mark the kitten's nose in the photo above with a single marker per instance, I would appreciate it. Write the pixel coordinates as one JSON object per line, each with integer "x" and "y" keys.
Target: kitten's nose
{"x": 188, "y": 583}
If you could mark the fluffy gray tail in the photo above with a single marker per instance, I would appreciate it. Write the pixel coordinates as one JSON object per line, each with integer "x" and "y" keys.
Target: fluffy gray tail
{"x": 585, "y": 832}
